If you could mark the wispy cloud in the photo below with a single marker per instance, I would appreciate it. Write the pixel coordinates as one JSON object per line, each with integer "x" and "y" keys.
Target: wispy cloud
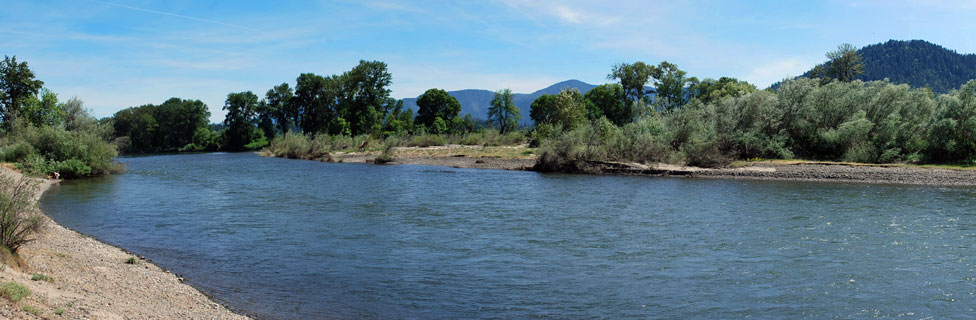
{"x": 178, "y": 16}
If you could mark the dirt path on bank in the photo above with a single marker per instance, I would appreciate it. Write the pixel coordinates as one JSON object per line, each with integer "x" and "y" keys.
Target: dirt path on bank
{"x": 91, "y": 280}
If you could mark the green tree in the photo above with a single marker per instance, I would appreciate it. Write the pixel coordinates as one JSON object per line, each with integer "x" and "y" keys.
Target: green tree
{"x": 710, "y": 90}
{"x": 137, "y": 126}
{"x": 436, "y": 103}
{"x": 843, "y": 64}
{"x": 365, "y": 93}
{"x": 17, "y": 84}
{"x": 43, "y": 109}
{"x": 280, "y": 107}
{"x": 670, "y": 83}
{"x": 542, "y": 109}
{"x": 633, "y": 78}
{"x": 611, "y": 100}
{"x": 570, "y": 109}
{"x": 503, "y": 111}
{"x": 315, "y": 103}
{"x": 240, "y": 119}
{"x": 178, "y": 121}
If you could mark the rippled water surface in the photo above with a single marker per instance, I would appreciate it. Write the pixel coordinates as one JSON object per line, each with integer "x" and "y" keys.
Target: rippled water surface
{"x": 292, "y": 239}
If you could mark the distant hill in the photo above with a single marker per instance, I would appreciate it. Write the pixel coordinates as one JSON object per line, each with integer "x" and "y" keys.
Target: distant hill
{"x": 918, "y": 63}
{"x": 477, "y": 101}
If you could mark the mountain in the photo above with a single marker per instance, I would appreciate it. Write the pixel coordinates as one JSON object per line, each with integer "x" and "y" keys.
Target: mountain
{"x": 476, "y": 101}
{"x": 918, "y": 63}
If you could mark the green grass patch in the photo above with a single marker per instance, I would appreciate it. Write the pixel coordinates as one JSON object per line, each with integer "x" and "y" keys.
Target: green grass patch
{"x": 42, "y": 277}
{"x": 13, "y": 291}
{"x": 32, "y": 310}
{"x": 59, "y": 311}
{"x": 130, "y": 260}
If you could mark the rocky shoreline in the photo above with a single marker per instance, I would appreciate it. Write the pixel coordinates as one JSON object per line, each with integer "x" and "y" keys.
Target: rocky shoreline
{"x": 461, "y": 157}
{"x": 92, "y": 280}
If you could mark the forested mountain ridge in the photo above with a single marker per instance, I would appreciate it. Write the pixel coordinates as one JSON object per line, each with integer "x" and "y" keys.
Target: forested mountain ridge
{"x": 918, "y": 63}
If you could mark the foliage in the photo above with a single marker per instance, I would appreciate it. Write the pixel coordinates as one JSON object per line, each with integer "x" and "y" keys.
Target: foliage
{"x": 670, "y": 83}
{"x": 712, "y": 91}
{"x": 17, "y": 86}
{"x": 41, "y": 277}
{"x": 611, "y": 102}
{"x": 19, "y": 216}
{"x": 13, "y": 291}
{"x": 569, "y": 109}
{"x": 633, "y": 78}
{"x": 241, "y": 114}
{"x": 436, "y": 104}
{"x": 44, "y": 150}
{"x": 167, "y": 127}
{"x": 874, "y": 122}
{"x": 503, "y": 111}
{"x": 843, "y": 65}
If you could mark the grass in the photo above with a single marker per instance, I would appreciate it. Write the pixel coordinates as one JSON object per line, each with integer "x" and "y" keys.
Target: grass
{"x": 59, "y": 311}
{"x": 130, "y": 260}
{"x": 42, "y": 277}
{"x": 32, "y": 310}
{"x": 13, "y": 291}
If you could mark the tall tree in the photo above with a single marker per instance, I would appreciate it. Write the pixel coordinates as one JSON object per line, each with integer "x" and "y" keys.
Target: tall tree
{"x": 240, "y": 119}
{"x": 43, "y": 109}
{"x": 179, "y": 120}
{"x": 542, "y": 109}
{"x": 611, "y": 100}
{"x": 843, "y": 64}
{"x": 366, "y": 90}
{"x": 279, "y": 101}
{"x": 670, "y": 83}
{"x": 569, "y": 109}
{"x": 17, "y": 84}
{"x": 315, "y": 102}
{"x": 503, "y": 110}
{"x": 633, "y": 78}
{"x": 436, "y": 103}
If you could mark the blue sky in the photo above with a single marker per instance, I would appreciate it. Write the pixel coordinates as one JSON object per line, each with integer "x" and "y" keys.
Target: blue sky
{"x": 118, "y": 54}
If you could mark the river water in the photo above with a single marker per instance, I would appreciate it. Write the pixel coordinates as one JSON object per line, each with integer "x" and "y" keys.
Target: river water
{"x": 294, "y": 239}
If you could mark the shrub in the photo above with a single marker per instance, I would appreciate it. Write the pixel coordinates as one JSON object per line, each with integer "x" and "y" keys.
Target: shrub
{"x": 18, "y": 212}
{"x": 13, "y": 291}
{"x": 41, "y": 277}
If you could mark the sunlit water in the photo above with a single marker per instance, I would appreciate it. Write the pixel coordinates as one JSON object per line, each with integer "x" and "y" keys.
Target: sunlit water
{"x": 292, "y": 239}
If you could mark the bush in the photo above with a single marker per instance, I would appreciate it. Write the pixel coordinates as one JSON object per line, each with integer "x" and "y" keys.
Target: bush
{"x": 18, "y": 212}
{"x": 13, "y": 291}
{"x": 43, "y": 150}
{"x": 41, "y": 277}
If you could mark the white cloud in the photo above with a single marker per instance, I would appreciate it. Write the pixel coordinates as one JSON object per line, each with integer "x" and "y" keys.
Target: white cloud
{"x": 567, "y": 14}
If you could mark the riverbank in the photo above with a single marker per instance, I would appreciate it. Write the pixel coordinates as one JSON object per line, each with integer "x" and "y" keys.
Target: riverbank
{"x": 524, "y": 158}
{"x": 91, "y": 280}
{"x": 812, "y": 171}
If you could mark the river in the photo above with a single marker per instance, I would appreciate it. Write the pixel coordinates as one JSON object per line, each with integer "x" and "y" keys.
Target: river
{"x": 295, "y": 239}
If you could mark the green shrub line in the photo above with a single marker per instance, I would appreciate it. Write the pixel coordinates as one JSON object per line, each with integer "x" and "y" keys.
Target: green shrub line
{"x": 867, "y": 122}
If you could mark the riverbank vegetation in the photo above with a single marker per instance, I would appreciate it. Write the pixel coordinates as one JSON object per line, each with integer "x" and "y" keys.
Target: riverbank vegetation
{"x": 42, "y": 135}
{"x": 711, "y": 123}
{"x": 651, "y": 113}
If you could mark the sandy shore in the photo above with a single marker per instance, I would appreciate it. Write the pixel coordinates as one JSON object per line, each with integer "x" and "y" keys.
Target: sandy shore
{"x": 801, "y": 171}
{"x": 91, "y": 280}
{"x": 523, "y": 158}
